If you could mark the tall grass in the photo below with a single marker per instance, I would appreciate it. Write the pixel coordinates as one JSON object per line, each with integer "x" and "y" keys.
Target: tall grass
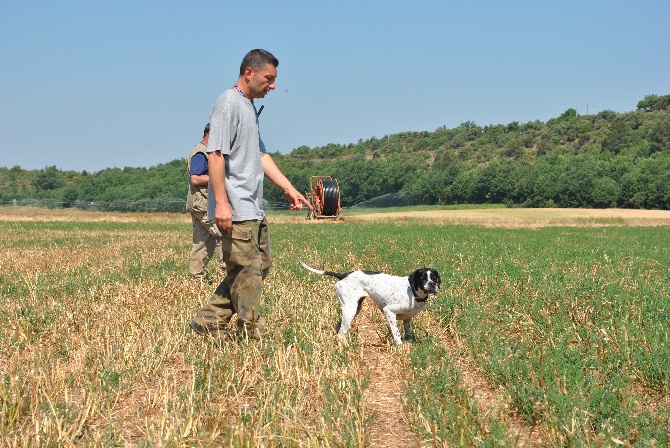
{"x": 570, "y": 322}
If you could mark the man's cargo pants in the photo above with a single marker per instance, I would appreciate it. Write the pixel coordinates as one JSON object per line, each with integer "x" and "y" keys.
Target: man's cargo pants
{"x": 246, "y": 251}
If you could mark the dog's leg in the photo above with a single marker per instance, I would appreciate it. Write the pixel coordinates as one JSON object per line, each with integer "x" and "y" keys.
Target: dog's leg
{"x": 341, "y": 336}
{"x": 392, "y": 320}
{"x": 348, "y": 314}
{"x": 409, "y": 334}
{"x": 351, "y": 299}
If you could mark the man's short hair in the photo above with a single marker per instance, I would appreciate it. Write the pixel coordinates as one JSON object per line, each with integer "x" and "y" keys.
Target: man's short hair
{"x": 257, "y": 60}
{"x": 206, "y": 131}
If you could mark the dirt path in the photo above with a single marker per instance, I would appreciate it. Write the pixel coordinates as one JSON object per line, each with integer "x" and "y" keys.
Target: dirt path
{"x": 384, "y": 395}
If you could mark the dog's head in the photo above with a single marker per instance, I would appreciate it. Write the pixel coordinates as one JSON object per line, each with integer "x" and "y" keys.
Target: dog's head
{"x": 424, "y": 281}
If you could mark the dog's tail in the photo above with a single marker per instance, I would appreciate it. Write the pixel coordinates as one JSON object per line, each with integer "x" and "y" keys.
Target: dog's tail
{"x": 320, "y": 272}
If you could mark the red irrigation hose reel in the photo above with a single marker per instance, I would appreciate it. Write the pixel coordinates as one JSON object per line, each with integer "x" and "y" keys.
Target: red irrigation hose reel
{"x": 324, "y": 195}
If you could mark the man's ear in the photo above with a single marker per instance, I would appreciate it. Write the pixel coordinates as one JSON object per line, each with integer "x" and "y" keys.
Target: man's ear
{"x": 248, "y": 73}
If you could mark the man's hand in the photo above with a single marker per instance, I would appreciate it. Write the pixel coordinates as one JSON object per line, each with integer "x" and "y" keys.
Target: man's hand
{"x": 223, "y": 214}
{"x": 223, "y": 217}
{"x": 295, "y": 199}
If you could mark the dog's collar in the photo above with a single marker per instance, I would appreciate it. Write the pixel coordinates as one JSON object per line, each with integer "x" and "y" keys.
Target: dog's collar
{"x": 419, "y": 299}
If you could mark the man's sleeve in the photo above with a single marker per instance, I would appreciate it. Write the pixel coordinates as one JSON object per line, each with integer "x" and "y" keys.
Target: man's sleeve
{"x": 262, "y": 146}
{"x": 198, "y": 165}
{"x": 221, "y": 127}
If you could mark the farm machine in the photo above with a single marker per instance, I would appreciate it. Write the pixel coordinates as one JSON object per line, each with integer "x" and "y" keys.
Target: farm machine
{"x": 324, "y": 195}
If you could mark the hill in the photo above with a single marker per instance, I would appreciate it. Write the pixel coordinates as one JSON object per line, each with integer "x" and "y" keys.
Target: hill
{"x": 604, "y": 160}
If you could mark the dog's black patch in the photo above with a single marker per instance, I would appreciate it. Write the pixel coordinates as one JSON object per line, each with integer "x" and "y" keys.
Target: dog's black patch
{"x": 341, "y": 276}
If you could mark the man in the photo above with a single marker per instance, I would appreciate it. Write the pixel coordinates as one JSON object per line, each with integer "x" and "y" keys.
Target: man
{"x": 238, "y": 162}
{"x": 206, "y": 235}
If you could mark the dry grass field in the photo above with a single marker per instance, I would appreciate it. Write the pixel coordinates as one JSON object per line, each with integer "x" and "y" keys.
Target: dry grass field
{"x": 95, "y": 348}
{"x": 532, "y": 218}
{"x": 494, "y": 217}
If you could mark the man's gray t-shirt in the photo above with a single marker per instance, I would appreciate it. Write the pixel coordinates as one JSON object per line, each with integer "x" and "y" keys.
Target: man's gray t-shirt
{"x": 234, "y": 131}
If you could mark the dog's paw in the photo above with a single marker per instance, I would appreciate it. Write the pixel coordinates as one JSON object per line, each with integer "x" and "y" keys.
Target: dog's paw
{"x": 343, "y": 339}
{"x": 401, "y": 348}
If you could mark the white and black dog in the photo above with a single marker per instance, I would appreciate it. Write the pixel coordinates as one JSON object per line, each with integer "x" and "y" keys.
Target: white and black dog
{"x": 399, "y": 298}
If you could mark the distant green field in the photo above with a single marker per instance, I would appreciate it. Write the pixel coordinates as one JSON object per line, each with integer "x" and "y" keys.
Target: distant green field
{"x": 570, "y": 322}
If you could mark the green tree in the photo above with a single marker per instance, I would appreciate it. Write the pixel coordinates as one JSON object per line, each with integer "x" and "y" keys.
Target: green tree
{"x": 617, "y": 137}
{"x": 654, "y": 181}
{"x": 514, "y": 149}
{"x": 605, "y": 193}
{"x": 69, "y": 195}
{"x": 659, "y": 136}
{"x": 547, "y": 142}
{"x": 524, "y": 177}
{"x": 654, "y": 102}
{"x": 50, "y": 178}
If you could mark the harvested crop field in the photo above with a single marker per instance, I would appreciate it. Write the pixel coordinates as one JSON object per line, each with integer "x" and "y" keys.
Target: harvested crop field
{"x": 550, "y": 329}
{"x": 495, "y": 217}
{"x": 536, "y": 217}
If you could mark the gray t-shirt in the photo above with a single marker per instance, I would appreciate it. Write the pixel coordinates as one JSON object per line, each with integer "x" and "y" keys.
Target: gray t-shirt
{"x": 234, "y": 131}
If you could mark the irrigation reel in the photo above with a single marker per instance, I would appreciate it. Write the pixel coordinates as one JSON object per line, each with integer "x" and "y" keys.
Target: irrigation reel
{"x": 324, "y": 195}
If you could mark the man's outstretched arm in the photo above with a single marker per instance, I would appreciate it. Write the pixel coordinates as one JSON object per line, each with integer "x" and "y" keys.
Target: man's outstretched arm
{"x": 272, "y": 172}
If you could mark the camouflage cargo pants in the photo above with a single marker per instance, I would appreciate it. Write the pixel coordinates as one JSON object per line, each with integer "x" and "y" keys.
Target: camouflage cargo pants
{"x": 246, "y": 251}
{"x": 206, "y": 240}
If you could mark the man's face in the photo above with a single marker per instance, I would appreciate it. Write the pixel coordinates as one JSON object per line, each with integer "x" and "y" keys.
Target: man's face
{"x": 262, "y": 81}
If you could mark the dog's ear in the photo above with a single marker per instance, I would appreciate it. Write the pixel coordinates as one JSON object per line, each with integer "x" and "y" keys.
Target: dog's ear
{"x": 413, "y": 280}
{"x": 437, "y": 276}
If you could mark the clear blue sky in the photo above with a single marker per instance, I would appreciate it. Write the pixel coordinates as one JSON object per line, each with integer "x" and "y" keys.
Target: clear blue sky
{"x": 88, "y": 85}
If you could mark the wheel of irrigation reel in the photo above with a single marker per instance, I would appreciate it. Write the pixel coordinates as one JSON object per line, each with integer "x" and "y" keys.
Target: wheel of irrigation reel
{"x": 324, "y": 197}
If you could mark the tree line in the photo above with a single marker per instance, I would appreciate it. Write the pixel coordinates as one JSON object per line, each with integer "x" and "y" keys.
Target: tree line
{"x": 608, "y": 159}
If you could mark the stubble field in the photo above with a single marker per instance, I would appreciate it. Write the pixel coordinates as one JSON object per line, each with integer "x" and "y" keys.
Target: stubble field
{"x": 551, "y": 329}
